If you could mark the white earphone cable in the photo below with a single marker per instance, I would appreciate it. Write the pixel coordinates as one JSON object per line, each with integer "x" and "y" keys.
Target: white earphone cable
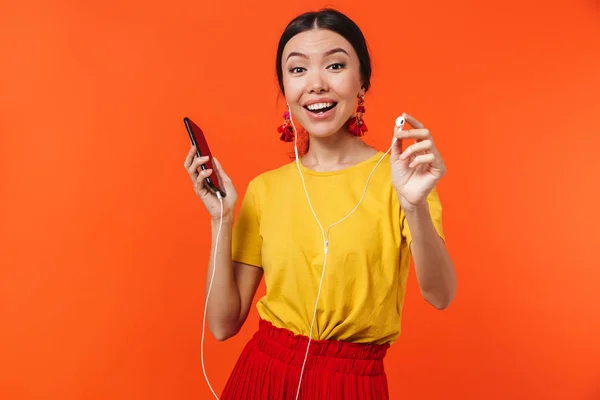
{"x": 208, "y": 295}
{"x": 325, "y": 251}
{"x": 325, "y": 237}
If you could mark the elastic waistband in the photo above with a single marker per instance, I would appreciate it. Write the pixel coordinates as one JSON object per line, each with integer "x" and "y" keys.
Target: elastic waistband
{"x": 345, "y": 357}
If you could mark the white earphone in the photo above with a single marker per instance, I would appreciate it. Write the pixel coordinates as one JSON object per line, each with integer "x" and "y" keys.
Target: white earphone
{"x": 208, "y": 294}
{"x": 400, "y": 124}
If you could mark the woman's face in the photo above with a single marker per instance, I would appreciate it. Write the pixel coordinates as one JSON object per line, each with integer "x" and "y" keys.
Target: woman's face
{"x": 321, "y": 78}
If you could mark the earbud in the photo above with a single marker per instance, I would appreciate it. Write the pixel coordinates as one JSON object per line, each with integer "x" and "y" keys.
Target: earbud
{"x": 400, "y": 122}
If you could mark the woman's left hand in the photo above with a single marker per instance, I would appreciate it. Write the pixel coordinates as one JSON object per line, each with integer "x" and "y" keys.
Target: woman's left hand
{"x": 417, "y": 170}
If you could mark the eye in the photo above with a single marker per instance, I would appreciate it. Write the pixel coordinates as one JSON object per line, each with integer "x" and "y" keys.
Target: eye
{"x": 296, "y": 70}
{"x": 337, "y": 66}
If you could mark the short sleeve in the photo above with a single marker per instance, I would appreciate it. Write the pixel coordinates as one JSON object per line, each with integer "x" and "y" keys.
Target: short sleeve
{"x": 246, "y": 241}
{"x": 435, "y": 210}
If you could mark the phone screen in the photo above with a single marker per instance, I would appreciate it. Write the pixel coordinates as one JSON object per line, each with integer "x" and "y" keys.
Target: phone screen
{"x": 199, "y": 140}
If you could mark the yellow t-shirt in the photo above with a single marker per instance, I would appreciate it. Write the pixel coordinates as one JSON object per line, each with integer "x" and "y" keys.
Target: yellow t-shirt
{"x": 368, "y": 254}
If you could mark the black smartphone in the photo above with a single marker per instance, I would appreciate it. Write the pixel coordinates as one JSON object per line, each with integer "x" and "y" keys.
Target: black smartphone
{"x": 197, "y": 139}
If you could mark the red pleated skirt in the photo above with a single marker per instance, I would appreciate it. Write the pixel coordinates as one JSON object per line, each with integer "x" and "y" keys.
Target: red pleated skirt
{"x": 270, "y": 365}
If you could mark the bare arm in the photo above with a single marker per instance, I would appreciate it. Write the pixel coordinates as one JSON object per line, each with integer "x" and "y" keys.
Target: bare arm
{"x": 234, "y": 286}
{"x": 415, "y": 173}
{"x": 434, "y": 267}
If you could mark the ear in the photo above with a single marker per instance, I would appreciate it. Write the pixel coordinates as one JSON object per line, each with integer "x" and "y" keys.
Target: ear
{"x": 362, "y": 92}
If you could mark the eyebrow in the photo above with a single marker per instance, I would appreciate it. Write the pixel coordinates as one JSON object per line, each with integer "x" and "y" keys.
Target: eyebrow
{"x": 327, "y": 53}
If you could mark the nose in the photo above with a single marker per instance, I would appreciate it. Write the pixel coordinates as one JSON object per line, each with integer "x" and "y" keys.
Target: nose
{"x": 316, "y": 83}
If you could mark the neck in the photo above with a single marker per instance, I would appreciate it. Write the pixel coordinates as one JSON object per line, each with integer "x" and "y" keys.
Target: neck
{"x": 336, "y": 151}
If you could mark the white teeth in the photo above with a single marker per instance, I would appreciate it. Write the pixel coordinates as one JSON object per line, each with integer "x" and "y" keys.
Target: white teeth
{"x": 318, "y": 106}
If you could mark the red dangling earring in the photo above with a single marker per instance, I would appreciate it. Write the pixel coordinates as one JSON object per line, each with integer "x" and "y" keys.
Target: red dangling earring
{"x": 286, "y": 132}
{"x": 356, "y": 125}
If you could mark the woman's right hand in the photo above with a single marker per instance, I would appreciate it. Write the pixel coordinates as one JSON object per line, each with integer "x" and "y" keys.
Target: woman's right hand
{"x": 193, "y": 166}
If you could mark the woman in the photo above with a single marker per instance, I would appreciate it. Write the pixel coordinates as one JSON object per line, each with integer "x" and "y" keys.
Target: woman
{"x": 295, "y": 219}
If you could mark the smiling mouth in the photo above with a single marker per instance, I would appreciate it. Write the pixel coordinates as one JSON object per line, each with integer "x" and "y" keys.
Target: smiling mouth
{"x": 319, "y": 108}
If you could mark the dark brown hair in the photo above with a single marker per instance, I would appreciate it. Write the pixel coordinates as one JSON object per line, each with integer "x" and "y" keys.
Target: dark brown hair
{"x": 333, "y": 20}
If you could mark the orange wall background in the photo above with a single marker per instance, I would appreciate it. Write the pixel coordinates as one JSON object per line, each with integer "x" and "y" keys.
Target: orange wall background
{"x": 104, "y": 245}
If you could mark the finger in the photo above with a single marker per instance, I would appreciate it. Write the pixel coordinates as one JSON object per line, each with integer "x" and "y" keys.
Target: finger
{"x": 413, "y": 121}
{"x": 221, "y": 171}
{"x": 190, "y": 157}
{"x": 202, "y": 175}
{"x": 422, "y": 160}
{"x": 424, "y": 146}
{"x": 205, "y": 173}
{"x": 396, "y": 147}
{"x": 224, "y": 179}
{"x": 198, "y": 162}
{"x": 200, "y": 184}
{"x": 418, "y": 134}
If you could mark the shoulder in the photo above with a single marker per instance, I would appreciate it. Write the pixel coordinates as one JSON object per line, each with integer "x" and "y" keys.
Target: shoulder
{"x": 273, "y": 176}
{"x": 260, "y": 185}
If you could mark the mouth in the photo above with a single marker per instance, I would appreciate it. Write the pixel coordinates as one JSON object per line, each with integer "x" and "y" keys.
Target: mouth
{"x": 320, "y": 108}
